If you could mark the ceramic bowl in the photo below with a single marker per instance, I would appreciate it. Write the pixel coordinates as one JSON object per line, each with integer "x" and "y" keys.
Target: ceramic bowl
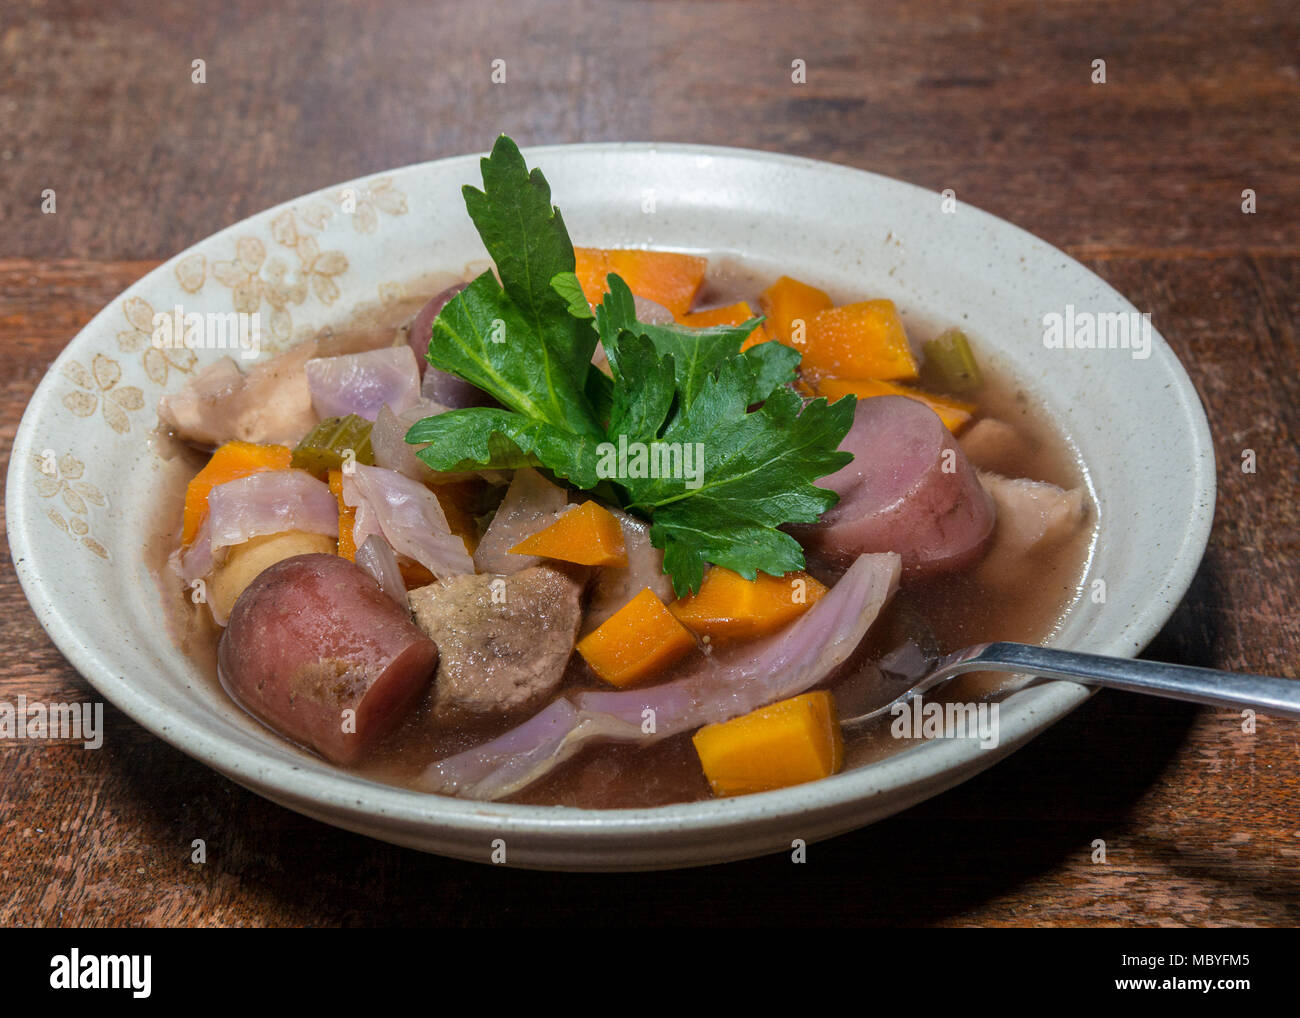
{"x": 87, "y": 474}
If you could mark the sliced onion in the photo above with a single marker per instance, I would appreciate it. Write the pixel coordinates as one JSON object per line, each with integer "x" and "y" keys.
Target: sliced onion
{"x": 408, "y": 516}
{"x": 376, "y": 557}
{"x": 362, "y": 383}
{"x": 269, "y": 502}
{"x": 441, "y": 386}
{"x": 505, "y": 760}
{"x": 614, "y": 586}
{"x": 530, "y": 504}
{"x": 452, "y": 391}
{"x": 388, "y": 440}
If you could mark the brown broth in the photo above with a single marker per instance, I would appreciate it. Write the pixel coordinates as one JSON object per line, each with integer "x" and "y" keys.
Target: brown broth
{"x": 953, "y": 611}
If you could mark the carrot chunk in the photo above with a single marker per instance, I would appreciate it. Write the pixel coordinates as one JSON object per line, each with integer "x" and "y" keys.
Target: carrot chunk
{"x": 669, "y": 278}
{"x": 789, "y": 306}
{"x": 638, "y": 640}
{"x": 347, "y": 518}
{"x": 229, "y": 463}
{"x": 587, "y": 534}
{"x": 728, "y": 606}
{"x": 786, "y": 743}
{"x": 863, "y": 340}
{"x": 955, "y": 413}
{"x": 591, "y": 266}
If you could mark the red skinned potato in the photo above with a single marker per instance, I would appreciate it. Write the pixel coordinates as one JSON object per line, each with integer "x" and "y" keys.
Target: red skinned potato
{"x": 313, "y": 637}
{"x": 910, "y": 489}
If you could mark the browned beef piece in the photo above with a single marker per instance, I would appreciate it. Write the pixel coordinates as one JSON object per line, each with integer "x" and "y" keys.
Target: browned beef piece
{"x": 504, "y": 641}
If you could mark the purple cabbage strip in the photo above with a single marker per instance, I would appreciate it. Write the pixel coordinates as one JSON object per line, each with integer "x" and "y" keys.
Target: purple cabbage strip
{"x": 376, "y": 556}
{"x": 362, "y": 383}
{"x": 407, "y": 515}
{"x": 269, "y": 502}
{"x": 720, "y": 687}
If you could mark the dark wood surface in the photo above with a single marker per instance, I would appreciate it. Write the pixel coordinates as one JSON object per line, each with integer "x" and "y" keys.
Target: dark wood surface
{"x": 1141, "y": 178}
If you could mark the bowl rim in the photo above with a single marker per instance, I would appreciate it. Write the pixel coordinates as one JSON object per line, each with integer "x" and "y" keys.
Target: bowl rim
{"x": 362, "y": 800}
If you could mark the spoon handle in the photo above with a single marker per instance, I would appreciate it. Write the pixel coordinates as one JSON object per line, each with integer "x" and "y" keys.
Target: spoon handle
{"x": 1276, "y": 696}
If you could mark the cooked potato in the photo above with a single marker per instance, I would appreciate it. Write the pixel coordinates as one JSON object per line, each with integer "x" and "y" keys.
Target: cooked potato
{"x": 245, "y": 561}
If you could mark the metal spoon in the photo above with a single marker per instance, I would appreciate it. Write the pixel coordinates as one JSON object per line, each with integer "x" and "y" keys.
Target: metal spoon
{"x": 921, "y": 673}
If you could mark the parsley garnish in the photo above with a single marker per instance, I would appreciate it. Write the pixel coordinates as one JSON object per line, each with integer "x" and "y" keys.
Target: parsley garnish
{"x": 528, "y": 341}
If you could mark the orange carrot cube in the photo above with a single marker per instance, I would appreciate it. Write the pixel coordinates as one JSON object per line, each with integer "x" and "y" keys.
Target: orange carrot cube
{"x": 588, "y": 534}
{"x": 784, "y": 744}
{"x": 639, "y": 640}
{"x": 728, "y": 606}
{"x": 229, "y": 463}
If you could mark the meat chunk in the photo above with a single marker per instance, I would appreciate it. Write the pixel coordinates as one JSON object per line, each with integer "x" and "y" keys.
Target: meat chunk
{"x": 270, "y": 404}
{"x": 504, "y": 641}
{"x": 531, "y": 503}
{"x": 909, "y": 489}
{"x": 321, "y": 654}
{"x": 995, "y": 445}
{"x": 1033, "y": 518}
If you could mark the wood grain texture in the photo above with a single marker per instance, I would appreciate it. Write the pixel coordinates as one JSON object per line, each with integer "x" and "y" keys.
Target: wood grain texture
{"x": 1141, "y": 178}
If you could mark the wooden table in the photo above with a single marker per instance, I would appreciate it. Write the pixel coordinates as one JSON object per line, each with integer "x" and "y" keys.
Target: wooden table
{"x": 1141, "y": 178}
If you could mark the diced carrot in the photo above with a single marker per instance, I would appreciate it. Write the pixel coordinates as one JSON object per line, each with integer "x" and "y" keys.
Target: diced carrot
{"x": 587, "y": 534}
{"x": 413, "y": 574}
{"x": 634, "y": 643}
{"x": 728, "y": 606}
{"x": 955, "y": 413}
{"x": 229, "y": 463}
{"x": 786, "y": 743}
{"x": 347, "y": 518}
{"x": 863, "y": 340}
{"x": 669, "y": 278}
{"x": 591, "y": 266}
{"x": 789, "y": 305}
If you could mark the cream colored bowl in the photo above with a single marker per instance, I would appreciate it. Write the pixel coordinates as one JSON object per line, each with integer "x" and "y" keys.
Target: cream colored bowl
{"x": 85, "y": 480}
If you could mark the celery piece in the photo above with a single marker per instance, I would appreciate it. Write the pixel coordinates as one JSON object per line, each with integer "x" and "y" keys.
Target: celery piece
{"x": 950, "y": 363}
{"x": 325, "y": 446}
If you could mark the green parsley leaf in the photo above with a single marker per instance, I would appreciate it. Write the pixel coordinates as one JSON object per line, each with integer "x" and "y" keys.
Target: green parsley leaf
{"x": 758, "y": 471}
{"x": 523, "y": 232}
{"x": 696, "y": 353}
{"x": 567, "y": 285}
{"x": 485, "y": 437}
{"x": 737, "y": 449}
{"x": 774, "y": 366}
{"x": 517, "y": 340}
{"x": 644, "y": 388}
